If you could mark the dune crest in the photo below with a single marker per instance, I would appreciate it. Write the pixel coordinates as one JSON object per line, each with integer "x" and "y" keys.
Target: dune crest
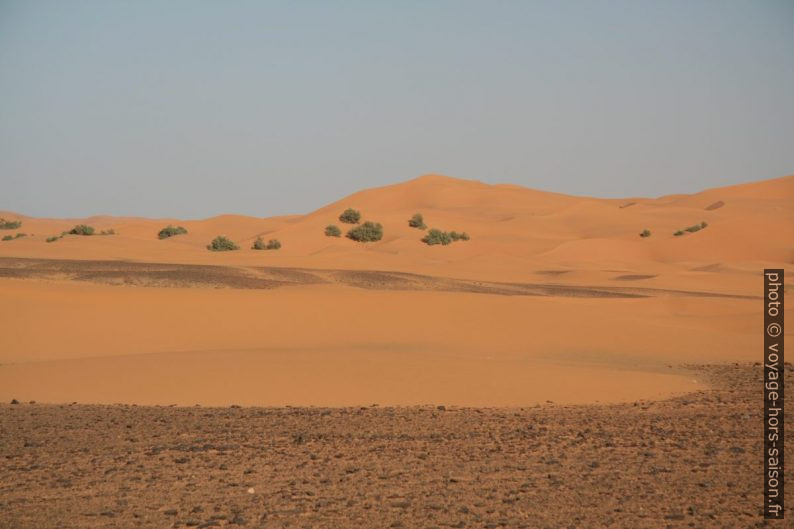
{"x": 528, "y": 230}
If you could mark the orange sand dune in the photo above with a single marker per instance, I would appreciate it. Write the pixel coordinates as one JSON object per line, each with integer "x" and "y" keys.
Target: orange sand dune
{"x": 327, "y": 344}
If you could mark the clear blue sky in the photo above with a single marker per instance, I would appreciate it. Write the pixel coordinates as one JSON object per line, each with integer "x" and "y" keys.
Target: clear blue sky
{"x": 193, "y": 108}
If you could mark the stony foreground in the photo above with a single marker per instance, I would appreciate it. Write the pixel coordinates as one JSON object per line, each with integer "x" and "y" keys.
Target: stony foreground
{"x": 693, "y": 461}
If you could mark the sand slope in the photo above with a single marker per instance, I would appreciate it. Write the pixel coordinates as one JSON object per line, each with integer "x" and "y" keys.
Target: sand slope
{"x": 355, "y": 341}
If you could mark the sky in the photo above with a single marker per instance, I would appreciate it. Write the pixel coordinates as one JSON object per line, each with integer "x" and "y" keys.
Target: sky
{"x": 191, "y": 108}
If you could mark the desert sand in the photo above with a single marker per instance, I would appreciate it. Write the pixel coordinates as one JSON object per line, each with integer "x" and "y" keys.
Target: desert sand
{"x": 556, "y": 370}
{"x": 554, "y": 298}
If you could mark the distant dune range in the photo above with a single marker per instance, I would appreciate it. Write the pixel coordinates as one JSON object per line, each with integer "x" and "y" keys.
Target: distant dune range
{"x": 555, "y": 297}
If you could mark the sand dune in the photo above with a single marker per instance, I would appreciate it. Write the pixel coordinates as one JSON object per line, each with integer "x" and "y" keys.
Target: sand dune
{"x": 550, "y": 287}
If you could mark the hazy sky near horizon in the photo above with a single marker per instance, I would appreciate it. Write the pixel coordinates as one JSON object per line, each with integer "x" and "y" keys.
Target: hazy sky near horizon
{"x": 191, "y": 108}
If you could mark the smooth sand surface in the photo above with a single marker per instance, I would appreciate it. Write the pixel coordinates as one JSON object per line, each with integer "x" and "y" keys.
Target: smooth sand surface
{"x": 75, "y": 338}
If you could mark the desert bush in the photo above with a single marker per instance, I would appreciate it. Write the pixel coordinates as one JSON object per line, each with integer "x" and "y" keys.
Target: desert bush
{"x": 170, "y": 231}
{"x": 272, "y": 244}
{"x": 82, "y": 229}
{"x": 691, "y": 229}
{"x": 417, "y": 221}
{"x": 111, "y": 231}
{"x": 444, "y": 238}
{"x": 350, "y": 216}
{"x": 332, "y": 230}
{"x": 696, "y": 227}
{"x": 12, "y": 237}
{"x": 367, "y": 232}
{"x": 435, "y": 236}
{"x": 8, "y": 238}
{"x": 53, "y": 238}
{"x": 222, "y": 244}
{"x": 645, "y": 233}
{"x": 9, "y": 224}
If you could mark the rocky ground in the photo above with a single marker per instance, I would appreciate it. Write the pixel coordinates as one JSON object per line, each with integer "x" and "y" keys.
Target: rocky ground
{"x": 693, "y": 461}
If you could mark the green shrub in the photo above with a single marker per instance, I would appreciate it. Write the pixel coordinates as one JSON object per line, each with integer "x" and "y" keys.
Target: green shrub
{"x": 53, "y": 238}
{"x": 222, "y": 244}
{"x": 696, "y": 227}
{"x": 82, "y": 229}
{"x": 8, "y": 238}
{"x": 435, "y": 236}
{"x": 350, "y": 216}
{"x": 272, "y": 244}
{"x": 691, "y": 229}
{"x": 9, "y": 224}
{"x": 332, "y": 230}
{"x": 367, "y": 232}
{"x": 645, "y": 233}
{"x": 12, "y": 237}
{"x": 259, "y": 244}
{"x": 444, "y": 238}
{"x": 170, "y": 231}
{"x": 417, "y": 221}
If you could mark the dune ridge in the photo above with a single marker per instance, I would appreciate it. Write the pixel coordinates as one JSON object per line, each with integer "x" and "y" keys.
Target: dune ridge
{"x": 514, "y": 231}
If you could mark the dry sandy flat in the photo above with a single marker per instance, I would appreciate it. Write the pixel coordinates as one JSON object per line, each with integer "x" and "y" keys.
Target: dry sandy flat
{"x": 342, "y": 345}
{"x": 555, "y": 297}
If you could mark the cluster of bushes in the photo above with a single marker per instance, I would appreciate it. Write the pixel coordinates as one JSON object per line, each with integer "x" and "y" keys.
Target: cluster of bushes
{"x": 9, "y": 224}
{"x": 691, "y": 229}
{"x": 272, "y": 244}
{"x": 373, "y": 231}
{"x": 417, "y": 221}
{"x": 222, "y": 244}
{"x": 170, "y": 231}
{"x": 12, "y": 237}
{"x": 81, "y": 229}
{"x": 366, "y": 232}
{"x": 435, "y": 236}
